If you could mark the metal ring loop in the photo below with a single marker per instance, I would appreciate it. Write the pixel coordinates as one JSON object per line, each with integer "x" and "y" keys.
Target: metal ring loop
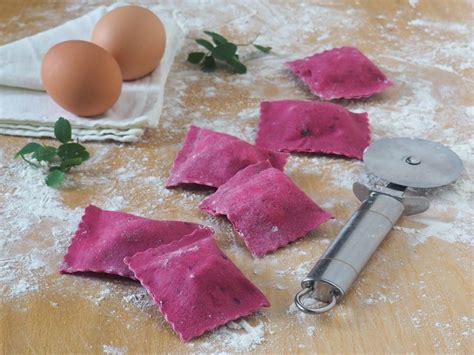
{"x": 302, "y": 307}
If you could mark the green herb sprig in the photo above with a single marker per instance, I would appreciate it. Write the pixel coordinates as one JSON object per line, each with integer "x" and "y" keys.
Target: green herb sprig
{"x": 221, "y": 50}
{"x": 58, "y": 160}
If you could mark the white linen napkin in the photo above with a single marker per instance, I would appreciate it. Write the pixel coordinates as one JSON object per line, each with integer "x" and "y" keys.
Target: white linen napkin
{"x": 26, "y": 109}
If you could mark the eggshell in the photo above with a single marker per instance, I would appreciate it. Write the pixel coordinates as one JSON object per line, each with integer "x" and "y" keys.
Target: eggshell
{"x": 81, "y": 77}
{"x": 134, "y": 36}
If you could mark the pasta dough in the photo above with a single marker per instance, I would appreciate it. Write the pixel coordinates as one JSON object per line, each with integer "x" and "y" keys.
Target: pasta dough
{"x": 340, "y": 73}
{"x": 313, "y": 127}
{"x": 265, "y": 207}
{"x": 104, "y": 238}
{"x": 211, "y": 158}
{"x": 196, "y": 287}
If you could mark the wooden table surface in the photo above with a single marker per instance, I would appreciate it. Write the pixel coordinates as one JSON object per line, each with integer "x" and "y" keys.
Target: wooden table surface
{"x": 415, "y": 296}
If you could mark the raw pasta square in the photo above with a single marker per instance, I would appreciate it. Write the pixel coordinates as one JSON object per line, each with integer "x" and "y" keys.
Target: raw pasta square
{"x": 211, "y": 158}
{"x": 313, "y": 127}
{"x": 265, "y": 207}
{"x": 104, "y": 238}
{"x": 196, "y": 287}
{"x": 340, "y": 73}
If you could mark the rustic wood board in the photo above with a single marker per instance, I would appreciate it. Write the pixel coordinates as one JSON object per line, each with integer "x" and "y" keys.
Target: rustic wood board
{"x": 415, "y": 295}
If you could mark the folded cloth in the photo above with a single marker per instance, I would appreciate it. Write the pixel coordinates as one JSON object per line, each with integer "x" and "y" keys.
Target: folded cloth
{"x": 26, "y": 109}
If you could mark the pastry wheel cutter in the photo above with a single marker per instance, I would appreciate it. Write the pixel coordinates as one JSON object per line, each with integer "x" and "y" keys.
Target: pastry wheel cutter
{"x": 403, "y": 163}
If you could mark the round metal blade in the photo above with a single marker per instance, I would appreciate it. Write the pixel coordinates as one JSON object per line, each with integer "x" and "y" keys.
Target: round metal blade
{"x": 413, "y": 162}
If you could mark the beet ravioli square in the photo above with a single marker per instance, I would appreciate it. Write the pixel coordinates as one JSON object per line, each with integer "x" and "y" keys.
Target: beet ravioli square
{"x": 210, "y": 158}
{"x": 340, "y": 73}
{"x": 196, "y": 287}
{"x": 265, "y": 207}
{"x": 104, "y": 238}
{"x": 312, "y": 127}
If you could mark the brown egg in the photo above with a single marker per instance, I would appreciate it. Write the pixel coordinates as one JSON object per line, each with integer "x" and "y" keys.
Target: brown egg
{"x": 134, "y": 36}
{"x": 81, "y": 77}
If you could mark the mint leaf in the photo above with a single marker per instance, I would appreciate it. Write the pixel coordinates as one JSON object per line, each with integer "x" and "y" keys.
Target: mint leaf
{"x": 58, "y": 160}
{"x": 37, "y": 166}
{"x": 222, "y": 50}
{"x": 68, "y": 163}
{"x": 216, "y": 38}
{"x": 85, "y": 155}
{"x": 262, "y": 48}
{"x": 62, "y": 130}
{"x": 55, "y": 178}
{"x": 28, "y": 149}
{"x": 238, "y": 67}
{"x": 225, "y": 51}
{"x": 70, "y": 151}
{"x": 196, "y": 57}
{"x": 45, "y": 153}
{"x": 206, "y": 44}
{"x": 209, "y": 64}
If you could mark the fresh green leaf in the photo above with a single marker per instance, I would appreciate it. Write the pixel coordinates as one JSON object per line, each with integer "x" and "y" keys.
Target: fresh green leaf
{"x": 238, "y": 67}
{"x": 45, "y": 153}
{"x": 28, "y": 149}
{"x": 262, "y": 48}
{"x": 216, "y": 38}
{"x": 62, "y": 130}
{"x": 196, "y": 57}
{"x": 209, "y": 64}
{"x": 67, "y": 155}
{"x": 85, "y": 155}
{"x": 55, "y": 178}
{"x": 34, "y": 165}
{"x": 68, "y": 163}
{"x": 206, "y": 44}
{"x": 225, "y": 51}
{"x": 70, "y": 151}
{"x": 221, "y": 49}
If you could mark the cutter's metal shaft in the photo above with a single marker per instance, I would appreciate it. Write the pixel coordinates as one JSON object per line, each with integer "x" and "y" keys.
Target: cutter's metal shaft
{"x": 340, "y": 265}
{"x": 344, "y": 259}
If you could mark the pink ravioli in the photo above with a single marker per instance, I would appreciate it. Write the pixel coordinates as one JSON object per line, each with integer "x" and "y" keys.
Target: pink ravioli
{"x": 265, "y": 207}
{"x": 211, "y": 158}
{"x": 196, "y": 287}
{"x": 104, "y": 238}
{"x": 311, "y": 126}
{"x": 340, "y": 73}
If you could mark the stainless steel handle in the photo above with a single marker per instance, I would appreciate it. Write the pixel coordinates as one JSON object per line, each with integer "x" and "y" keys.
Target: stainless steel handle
{"x": 340, "y": 265}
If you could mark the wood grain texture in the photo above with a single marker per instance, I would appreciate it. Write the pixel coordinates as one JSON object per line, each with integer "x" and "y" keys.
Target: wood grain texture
{"x": 412, "y": 297}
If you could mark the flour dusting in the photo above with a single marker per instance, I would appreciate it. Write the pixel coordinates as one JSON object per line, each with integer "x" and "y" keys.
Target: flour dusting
{"x": 413, "y": 3}
{"x": 236, "y": 336}
{"x": 112, "y": 350}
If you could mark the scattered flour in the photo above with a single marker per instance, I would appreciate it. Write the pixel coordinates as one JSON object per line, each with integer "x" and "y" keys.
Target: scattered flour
{"x": 379, "y": 297}
{"x": 449, "y": 26}
{"x": 112, "y": 350}
{"x": 311, "y": 330}
{"x": 25, "y": 204}
{"x": 236, "y": 336}
{"x": 413, "y": 3}
{"x": 140, "y": 299}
